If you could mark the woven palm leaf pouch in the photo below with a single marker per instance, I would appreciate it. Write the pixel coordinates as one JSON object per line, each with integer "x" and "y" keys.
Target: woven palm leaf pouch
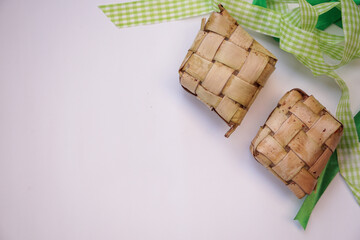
{"x": 297, "y": 141}
{"x": 226, "y": 68}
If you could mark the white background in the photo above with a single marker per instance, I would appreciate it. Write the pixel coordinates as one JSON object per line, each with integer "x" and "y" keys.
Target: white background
{"x": 99, "y": 141}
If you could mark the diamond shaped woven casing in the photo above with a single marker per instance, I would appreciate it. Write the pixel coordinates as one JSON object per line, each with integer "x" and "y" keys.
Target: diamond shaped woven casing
{"x": 226, "y": 68}
{"x": 297, "y": 141}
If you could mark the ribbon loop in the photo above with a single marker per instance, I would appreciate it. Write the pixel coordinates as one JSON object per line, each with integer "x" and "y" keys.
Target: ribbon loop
{"x": 309, "y": 16}
{"x": 351, "y": 24}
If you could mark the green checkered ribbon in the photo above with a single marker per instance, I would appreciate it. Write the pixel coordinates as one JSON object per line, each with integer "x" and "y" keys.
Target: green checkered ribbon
{"x": 298, "y": 35}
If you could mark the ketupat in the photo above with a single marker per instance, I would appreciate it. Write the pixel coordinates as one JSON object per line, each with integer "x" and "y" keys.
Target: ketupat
{"x": 226, "y": 68}
{"x": 297, "y": 141}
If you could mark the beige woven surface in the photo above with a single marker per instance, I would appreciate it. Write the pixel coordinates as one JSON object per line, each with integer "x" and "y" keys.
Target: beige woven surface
{"x": 297, "y": 141}
{"x": 226, "y": 68}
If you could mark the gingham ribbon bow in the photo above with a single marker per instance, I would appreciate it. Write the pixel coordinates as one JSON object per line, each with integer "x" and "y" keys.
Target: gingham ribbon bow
{"x": 297, "y": 33}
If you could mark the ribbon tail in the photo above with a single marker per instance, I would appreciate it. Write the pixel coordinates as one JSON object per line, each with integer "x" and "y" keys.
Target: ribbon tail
{"x": 349, "y": 147}
{"x": 130, "y": 14}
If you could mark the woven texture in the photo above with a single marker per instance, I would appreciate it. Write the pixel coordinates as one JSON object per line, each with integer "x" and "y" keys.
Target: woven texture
{"x": 297, "y": 141}
{"x": 226, "y": 68}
